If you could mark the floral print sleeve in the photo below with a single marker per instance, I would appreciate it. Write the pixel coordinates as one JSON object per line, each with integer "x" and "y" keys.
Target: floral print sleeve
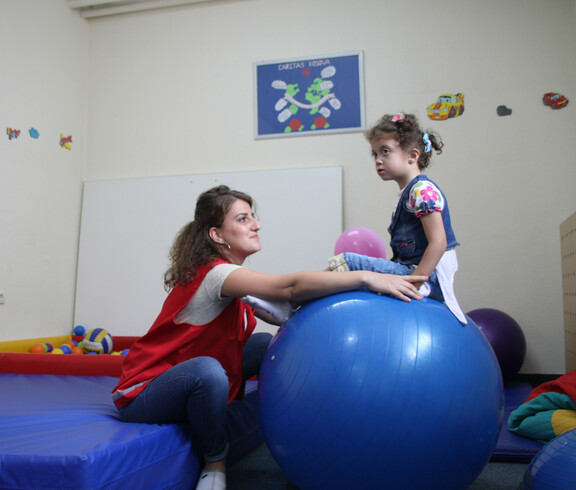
{"x": 425, "y": 198}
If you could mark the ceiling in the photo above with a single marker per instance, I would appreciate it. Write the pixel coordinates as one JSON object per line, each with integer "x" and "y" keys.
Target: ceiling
{"x": 102, "y": 8}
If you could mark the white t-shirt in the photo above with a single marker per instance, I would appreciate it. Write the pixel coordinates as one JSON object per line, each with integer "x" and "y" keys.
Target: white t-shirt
{"x": 208, "y": 302}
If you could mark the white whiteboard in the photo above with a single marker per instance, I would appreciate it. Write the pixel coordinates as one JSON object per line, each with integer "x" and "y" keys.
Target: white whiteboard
{"x": 128, "y": 227}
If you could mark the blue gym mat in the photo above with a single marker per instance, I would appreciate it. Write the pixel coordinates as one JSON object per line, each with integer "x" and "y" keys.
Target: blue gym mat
{"x": 61, "y": 431}
{"x": 510, "y": 447}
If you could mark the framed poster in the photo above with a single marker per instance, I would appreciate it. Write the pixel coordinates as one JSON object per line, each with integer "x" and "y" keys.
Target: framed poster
{"x": 313, "y": 95}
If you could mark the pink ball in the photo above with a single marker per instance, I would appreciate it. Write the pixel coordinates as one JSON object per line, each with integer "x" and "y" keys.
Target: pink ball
{"x": 360, "y": 241}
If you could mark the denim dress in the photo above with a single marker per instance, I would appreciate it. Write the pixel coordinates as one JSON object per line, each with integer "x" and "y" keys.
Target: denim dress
{"x": 408, "y": 240}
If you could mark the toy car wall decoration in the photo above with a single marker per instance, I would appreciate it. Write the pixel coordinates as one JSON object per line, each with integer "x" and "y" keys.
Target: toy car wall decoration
{"x": 555, "y": 100}
{"x": 447, "y": 106}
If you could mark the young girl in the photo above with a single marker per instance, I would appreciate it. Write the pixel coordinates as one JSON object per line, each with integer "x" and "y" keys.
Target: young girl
{"x": 422, "y": 238}
{"x": 196, "y": 356}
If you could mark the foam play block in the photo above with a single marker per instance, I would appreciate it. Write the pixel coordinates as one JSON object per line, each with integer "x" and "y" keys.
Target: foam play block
{"x": 61, "y": 431}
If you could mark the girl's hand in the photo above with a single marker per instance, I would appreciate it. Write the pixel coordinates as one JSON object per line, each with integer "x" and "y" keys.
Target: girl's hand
{"x": 401, "y": 287}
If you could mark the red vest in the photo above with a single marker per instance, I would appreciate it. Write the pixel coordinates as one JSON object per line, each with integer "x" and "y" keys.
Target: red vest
{"x": 167, "y": 343}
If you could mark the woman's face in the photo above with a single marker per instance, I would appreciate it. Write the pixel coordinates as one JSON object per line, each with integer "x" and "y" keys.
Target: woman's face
{"x": 240, "y": 231}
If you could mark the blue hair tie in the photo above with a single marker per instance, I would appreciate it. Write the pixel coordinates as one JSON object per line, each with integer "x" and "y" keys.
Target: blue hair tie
{"x": 427, "y": 143}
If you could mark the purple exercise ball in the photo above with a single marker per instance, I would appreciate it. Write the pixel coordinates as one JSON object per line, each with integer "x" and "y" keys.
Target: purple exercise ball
{"x": 360, "y": 241}
{"x": 505, "y": 336}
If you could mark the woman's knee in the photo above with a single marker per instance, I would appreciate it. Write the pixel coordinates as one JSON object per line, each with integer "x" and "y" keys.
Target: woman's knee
{"x": 198, "y": 372}
{"x": 260, "y": 341}
{"x": 166, "y": 398}
{"x": 206, "y": 367}
{"x": 254, "y": 351}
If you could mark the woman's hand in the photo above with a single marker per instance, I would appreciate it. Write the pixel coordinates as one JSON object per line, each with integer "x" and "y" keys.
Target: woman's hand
{"x": 401, "y": 287}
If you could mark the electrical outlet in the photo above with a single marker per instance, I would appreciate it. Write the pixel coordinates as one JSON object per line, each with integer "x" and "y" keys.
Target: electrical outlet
{"x": 2, "y": 298}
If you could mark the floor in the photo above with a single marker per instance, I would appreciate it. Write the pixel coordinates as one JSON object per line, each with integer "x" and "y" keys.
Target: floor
{"x": 259, "y": 471}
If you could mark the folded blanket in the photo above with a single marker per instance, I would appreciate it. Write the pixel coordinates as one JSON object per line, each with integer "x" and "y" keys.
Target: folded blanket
{"x": 549, "y": 410}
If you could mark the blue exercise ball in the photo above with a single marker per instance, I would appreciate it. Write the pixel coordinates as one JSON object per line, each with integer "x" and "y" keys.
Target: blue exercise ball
{"x": 359, "y": 390}
{"x": 554, "y": 467}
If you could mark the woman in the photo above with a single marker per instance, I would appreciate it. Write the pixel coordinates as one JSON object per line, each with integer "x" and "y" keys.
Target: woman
{"x": 196, "y": 356}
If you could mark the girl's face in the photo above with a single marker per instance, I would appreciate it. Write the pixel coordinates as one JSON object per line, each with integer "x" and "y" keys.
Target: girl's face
{"x": 392, "y": 162}
{"x": 240, "y": 231}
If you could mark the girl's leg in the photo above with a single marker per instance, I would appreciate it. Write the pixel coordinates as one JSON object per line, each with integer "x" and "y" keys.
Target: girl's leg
{"x": 356, "y": 262}
{"x": 435, "y": 289}
{"x": 196, "y": 391}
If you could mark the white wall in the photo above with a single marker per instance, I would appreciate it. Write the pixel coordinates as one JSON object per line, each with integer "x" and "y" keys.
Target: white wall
{"x": 170, "y": 92}
{"x": 43, "y": 61}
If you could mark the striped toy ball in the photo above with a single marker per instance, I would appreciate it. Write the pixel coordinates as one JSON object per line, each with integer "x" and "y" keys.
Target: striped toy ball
{"x": 98, "y": 341}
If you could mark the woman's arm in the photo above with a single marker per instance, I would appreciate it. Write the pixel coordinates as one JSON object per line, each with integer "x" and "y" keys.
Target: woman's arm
{"x": 436, "y": 235}
{"x": 302, "y": 286}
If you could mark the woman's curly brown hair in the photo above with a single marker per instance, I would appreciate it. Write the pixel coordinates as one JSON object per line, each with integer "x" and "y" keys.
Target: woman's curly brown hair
{"x": 193, "y": 246}
{"x": 405, "y": 129}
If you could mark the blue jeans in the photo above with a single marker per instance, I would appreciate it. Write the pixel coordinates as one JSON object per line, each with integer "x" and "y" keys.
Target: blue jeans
{"x": 356, "y": 262}
{"x": 196, "y": 391}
